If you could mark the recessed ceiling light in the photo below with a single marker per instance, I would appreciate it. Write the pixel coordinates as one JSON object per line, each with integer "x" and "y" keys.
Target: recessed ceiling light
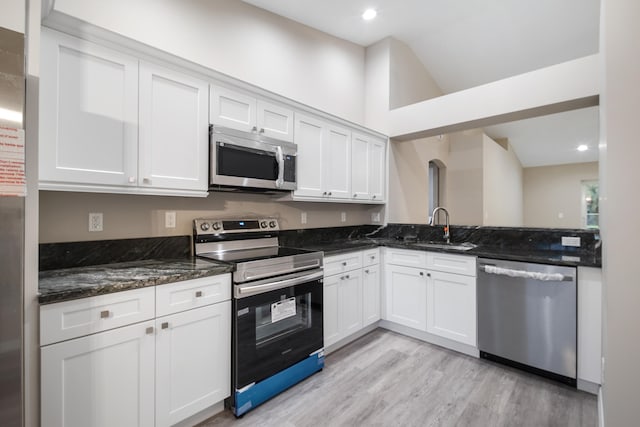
{"x": 369, "y": 14}
{"x": 582, "y": 147}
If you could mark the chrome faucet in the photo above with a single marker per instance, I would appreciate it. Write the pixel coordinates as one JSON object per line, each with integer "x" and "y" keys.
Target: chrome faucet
{"x": 446, "y": 219}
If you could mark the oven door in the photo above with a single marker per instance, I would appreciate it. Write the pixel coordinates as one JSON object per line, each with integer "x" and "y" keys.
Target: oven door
{"x": 276, "y": 325}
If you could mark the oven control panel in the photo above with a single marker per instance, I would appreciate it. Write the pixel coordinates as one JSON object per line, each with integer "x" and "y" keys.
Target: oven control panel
{"x": 232, "y": 226}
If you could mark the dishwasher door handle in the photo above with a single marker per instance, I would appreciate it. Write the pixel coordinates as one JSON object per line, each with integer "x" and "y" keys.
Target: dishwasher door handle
{"x": 535, "y": 275}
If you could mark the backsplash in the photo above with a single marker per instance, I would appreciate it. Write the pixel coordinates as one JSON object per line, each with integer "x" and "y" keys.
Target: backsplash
{"x": 82, "y": 254}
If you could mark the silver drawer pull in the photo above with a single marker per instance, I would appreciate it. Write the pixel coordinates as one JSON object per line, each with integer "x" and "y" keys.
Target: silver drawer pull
{"x": 366, "y": 271}
{"x": 149, "y": 330}
{"x": 104, "y": 314}
{"x": 347, "y": 276}
{"x": 344, "y": 263}
{"x": 373, "y": 257}
{"x": 198, "y": 294}
{"x": 422, "y": 273}
{"x": 165, "y": 325}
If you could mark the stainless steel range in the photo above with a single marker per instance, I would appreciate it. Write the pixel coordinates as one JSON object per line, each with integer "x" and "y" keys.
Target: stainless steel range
{"x": 277, "y": 307}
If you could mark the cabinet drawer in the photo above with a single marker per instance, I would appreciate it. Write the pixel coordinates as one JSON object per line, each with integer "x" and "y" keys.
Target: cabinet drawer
{"x": 406, "y": 257}
{"x": 451, "y": 263}
{"x": 371, "y": 257}
{"x": 180, "y": 296}
{"x": 70, "y": 319}
{"x": 341, "y": 263}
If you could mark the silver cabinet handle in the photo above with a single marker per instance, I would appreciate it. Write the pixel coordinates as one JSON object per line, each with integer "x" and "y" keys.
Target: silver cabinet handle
{"x": 198, "y": 294}
{"x": 149, "y": 330}
{"x": 329, "y": 193}
{"x": 253, "y": 129}
{"x": 344, "y": 263}
{"x": 347, "y": 276}
{"x": 428, "y": 274}
{"x": 366, "y": 271}
{"x": 146, "y": 180}
{"x": 165, "y": 325}
{"x": 374, "y": 196}
{"x": 261, "y": 130}
{"x": 355, "y": 195}
{"x": 422, "y": 273}
{"x": 104, "y": 314}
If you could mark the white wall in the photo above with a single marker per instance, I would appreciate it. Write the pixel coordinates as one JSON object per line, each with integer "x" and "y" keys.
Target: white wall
{"x": 12, "y": 15}
{"x": 64, "y": 214}
{"x": 554, "y": 191}
{"x": 243, "y": 41}
{"x": 409, "y": 80}
{"x": 465, "y": 184}
{"x": 408, "y": 201}
{"x": 620, "y": 104}
{"x": 376, "y": 101}
{"x": 502, "y": 182}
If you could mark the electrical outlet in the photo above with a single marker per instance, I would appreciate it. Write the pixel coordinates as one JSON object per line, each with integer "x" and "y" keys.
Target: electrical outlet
{"x": 571, "y": 241}
{"x": 343, "y": 216}
{"x": 170, "y": 219}
{"x": 303, "y": 217}
{"x": 95, "y": 221}
{"x": 375, "y": 217}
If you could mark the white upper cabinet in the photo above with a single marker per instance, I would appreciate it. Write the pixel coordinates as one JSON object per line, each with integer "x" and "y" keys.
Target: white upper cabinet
{"x": 337, "y": 162}
{"x": 88, "y": 113}
{"x": 244, "y": 112}
{"x": 111, "y": 124}
{"x": 324, "y": 159}
{"x": 309, "y": 171}
{"x": 174, "y": 135}
{"x": 368, "y": 168}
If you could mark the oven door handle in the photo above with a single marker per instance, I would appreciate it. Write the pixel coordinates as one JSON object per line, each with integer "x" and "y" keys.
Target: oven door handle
{"x": 280, "y": 160}
{"x": 243, "y": 291}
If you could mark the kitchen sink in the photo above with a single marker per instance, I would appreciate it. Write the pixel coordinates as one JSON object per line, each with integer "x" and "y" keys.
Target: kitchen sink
{"x": 465, "y": 246}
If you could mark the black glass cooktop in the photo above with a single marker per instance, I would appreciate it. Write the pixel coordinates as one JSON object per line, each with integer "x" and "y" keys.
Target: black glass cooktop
{"x": 246, "y": 255}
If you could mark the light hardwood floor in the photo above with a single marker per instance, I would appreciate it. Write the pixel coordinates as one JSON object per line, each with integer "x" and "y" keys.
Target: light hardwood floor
{"x": 387, "y": 379}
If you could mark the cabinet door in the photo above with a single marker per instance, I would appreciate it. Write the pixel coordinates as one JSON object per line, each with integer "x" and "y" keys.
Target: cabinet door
{"x": 337, "y": 163}
{"x": 193, "y": 361}
{"x": 104, "y": 379}
{"x": 377, "y": 170}
{"x": 406, "y": 296}
{"x": 370, "y": 294}
{"x": 360, "y": 167}
{"x": 350, "y": 303}
{"x": 233, "y": 109}
{"x": 590, "y": 324}
{"x": 174, "y": 137}
{"x": 451, "y": 308}
{"x": 330, "y": 310}
{"x": 275, "y": 121}
{"x": 88, "y": 113}
{"x": 310, "y": 139}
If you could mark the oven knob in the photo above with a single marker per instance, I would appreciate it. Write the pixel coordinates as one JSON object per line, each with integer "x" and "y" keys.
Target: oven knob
{"x": 204, "y": 226}
{"x": 272, "y": 224}
{"x": 216, "y": 226}
{"x": 263, "y": 224}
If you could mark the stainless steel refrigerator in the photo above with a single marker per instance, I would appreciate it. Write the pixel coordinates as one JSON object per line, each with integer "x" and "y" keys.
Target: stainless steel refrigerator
{"x": 12, "y": 203}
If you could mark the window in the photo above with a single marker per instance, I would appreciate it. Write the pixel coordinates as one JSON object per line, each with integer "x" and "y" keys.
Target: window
{"x": 590, "y": 204}
{"x": 434, "y": 186}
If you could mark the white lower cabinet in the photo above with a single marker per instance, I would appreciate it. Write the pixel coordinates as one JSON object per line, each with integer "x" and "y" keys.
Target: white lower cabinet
{"x": 105, "y": 379}
{"x": 432, "y": 292}
{"x": 159, "y": 371}
{"x": 406, "y": 296}
{"x": 342, "y": 306}
{"x": 192, "y": 367}
{"x": 370, "y": 294}
{"x": 451, "y": 306}
{"x": 351, "y": 294}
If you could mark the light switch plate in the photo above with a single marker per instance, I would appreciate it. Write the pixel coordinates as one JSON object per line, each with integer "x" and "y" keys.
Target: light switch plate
{"x": 303, "y": 217}
{"x": 343, "y": 216}
{"x": 571, "y": 241}
{"x": 95, "y": 221}
{"x": 170, "y": 219}
{"x": 375, "y": 217}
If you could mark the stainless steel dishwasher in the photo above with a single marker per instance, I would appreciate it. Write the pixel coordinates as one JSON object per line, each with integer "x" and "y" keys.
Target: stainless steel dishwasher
{"x": 527, "y": 317}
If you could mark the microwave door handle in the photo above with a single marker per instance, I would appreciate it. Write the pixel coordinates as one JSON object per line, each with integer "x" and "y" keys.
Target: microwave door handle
{"x": 280, "y": 159}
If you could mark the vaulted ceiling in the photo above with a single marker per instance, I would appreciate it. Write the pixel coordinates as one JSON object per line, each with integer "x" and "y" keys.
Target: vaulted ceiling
{"x": 465, "y": 43}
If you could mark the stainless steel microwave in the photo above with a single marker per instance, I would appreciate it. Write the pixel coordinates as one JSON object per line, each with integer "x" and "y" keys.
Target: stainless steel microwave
{"x": 250, "y": 161}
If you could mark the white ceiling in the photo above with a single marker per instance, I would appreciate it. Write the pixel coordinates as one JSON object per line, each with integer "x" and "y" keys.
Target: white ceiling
{"x": 465, "y": 43}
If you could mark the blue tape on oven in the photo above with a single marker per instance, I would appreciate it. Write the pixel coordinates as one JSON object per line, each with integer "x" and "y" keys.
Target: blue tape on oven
{"x": 249, "y": 398}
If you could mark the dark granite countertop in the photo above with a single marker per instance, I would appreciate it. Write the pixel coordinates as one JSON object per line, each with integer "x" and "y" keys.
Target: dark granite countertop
{"x": 80, "y": 282}
{"x": 571, "y": 259}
